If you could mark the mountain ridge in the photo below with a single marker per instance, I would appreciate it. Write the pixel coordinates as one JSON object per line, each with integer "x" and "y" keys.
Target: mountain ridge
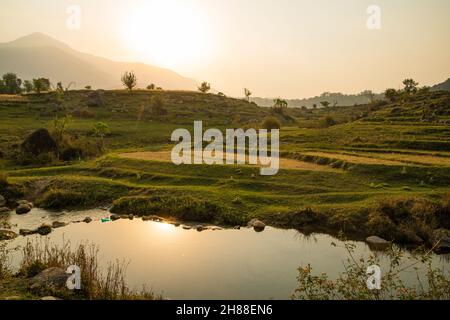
{"x": 37, "y": 55}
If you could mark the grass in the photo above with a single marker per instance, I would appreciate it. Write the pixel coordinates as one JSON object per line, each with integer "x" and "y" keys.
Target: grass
{"x": 95, "y": 285}
{"x": 338, "y": 175}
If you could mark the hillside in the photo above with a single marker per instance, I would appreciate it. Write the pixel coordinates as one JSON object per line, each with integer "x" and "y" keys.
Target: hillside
{"x": 334, "y": 176}
{"x": 38, "y": 55}
{"x": 444, "y": 86}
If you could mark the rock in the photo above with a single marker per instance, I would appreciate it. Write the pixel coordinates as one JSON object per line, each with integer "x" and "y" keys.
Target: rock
{"x": 7, "y": 234}
{"x": 39, "y": 142}
{"x": 27, "y": 232}
{"x": 2, "y": 201}
{"x": 44, "y": 229}
{"x": 441, "y": 239}
{"x": 23, "y": 209}
{"x": 58, "y": 224}
{"x": 51, "y": 279}
{"x": 176, "y": 224}
{"x": 87, "y": 220}
{"x": 216, "y": 229}
{"x": 187, "y": 228}
{"x": 200, "y": 228}
{"x": 5, "y": 210}
{"x": 237, "y": 227}
{"x": 115, "y": 217}
{"x": 257, "y": 225}
{"x": 130, "y": 216}
{"x": 377, "y": 242}
{"x": 25, "y": 202}
{"x": 49, "y": 298}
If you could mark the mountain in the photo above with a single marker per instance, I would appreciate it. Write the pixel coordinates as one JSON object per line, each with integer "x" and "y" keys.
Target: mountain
{"x": 444, "y": 86}
{"x": 338, "y": 98}
{"x": 38, "y": 55}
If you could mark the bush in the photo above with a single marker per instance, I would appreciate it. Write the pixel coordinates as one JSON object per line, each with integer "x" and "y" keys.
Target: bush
{"x": 61, "y": 199}
{"x": 271, "y": 123}
{"x": 328, "y": 121}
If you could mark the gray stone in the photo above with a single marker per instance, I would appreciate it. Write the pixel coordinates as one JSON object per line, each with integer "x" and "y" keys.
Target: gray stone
{"x": 7, "y": 234}
{"x": 49, "y": 298}
{"x": 49, "y": 279}
{"x": 27, "y": 232}
{"x": 5, "y": 210}
{"x": 20, "y": 202}
{"x": 23, "y": 209}
{"x": 377, "y": 241}
{"x": 115, "y": 217}
{"x": 87, "y": 220}
{"x": 58, "y": 224}
{"x": 257, "y": 225}
{"x": 44, "y": 229}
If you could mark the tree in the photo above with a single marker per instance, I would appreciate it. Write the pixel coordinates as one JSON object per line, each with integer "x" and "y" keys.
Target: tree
{"x": 325, "y": 104}
{"x": 60, "y": 126}
{"x": 129, "y": 80}
{"x": 369, "y": 95}
{"x": 247, "y": 93}
{"x": 279, "y": 105}
{"x": 391, "y": 94}
{"x": 11, "y": 84}
{"x": 410, "y": 86}
{"x": 204, "y": 87}
{"x": 100, "y": 130}
{"x": 151, "y": 86}
{"x": 41, "y": 84}
{"x": 28, "y": 86}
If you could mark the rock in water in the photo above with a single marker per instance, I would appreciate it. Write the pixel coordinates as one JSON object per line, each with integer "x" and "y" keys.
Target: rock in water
{"x": 87, "y": 220}
{"x": 257, "y": 225}
{"x": 377, "y": 242}
{"x": 39, "y": 142}
{"x": 5, "y": 210}
{"x": 7, "y": 234}
{"x": 115, "y": 217}
{"x": 26, "y": 232}
{"x": 58, "y": 224}
{"x": 44, "y": 229}
{"x": 23, "y": 209}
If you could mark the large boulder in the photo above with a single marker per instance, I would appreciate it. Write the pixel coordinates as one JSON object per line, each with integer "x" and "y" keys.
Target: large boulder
{"x": 58, "y": 224}
{"x": 39, "y": 142}
{"x": 50, "y": 280}
{"x": 441, "y": 240}
{"x": 23, "y": 209}
{"x": 256, "y": 224}
{"x": 7, "y": 234}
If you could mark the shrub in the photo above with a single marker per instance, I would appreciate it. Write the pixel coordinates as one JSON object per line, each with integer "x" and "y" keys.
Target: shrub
{"x": 61, "y": 199}
{"x": 158, "y": 106}
{"x": 271, "y": 123}
{"x": 328, "y": 121}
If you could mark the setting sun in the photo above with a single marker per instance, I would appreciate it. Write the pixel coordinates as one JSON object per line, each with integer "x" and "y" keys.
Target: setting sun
{"x": 167, "y": 33}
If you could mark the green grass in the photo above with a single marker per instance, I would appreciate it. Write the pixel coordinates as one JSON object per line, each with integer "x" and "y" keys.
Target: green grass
{"x": 378, "y": 154}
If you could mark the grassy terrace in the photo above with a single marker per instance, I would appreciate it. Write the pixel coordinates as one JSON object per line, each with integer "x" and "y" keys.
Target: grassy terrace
{"x": 344, "y": 175}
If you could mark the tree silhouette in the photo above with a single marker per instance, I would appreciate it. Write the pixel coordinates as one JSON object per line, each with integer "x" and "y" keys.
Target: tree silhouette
{"x": 410, "y": 86}
{"x": 204, "y": 87}
{"x": 247, "y": 93}
{"x": 129, "y": 80}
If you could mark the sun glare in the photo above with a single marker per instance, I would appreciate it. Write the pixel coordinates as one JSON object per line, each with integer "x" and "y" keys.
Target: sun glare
{"x": 168, "y": 33}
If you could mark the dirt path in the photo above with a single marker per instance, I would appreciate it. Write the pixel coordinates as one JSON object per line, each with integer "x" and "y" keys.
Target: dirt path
{"x": 164, "y": 156}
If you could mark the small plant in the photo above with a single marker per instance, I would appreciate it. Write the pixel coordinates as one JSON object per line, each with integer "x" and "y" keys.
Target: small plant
{"x": 271, "y": 123}
{"x": 247, "y": 93}
{"x": 352, "y": 283}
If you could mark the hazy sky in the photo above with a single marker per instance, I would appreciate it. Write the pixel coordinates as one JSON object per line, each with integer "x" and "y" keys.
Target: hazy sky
{"x": 286, "y": 48}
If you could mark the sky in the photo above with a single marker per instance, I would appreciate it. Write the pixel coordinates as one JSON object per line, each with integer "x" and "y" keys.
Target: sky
{"x": 283, "y": 48}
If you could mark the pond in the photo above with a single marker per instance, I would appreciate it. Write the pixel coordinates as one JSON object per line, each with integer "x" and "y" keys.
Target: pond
{"x": 212, "y": 264}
